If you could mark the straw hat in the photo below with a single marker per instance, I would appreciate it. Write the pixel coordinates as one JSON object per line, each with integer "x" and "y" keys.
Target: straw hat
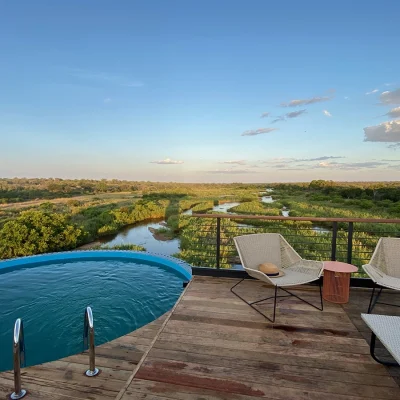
{"x": 271, "y": 270}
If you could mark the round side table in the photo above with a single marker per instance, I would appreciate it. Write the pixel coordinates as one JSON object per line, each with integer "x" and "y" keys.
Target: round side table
{"x": 337, "y": 281}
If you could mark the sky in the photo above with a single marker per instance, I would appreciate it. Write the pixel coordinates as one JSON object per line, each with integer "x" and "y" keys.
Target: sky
{"x": 200, "y": 91}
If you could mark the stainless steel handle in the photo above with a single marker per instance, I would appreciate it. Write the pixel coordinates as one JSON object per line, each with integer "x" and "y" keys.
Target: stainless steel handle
{"x": 19, "y": 359}
{"x": 88, "y": 341}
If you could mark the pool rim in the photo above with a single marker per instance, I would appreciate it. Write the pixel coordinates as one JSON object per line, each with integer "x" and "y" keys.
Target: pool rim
{"x": 170, "y": 262}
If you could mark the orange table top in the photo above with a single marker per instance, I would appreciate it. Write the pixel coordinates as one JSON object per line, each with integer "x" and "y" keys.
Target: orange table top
{"x": 337, "y": 266}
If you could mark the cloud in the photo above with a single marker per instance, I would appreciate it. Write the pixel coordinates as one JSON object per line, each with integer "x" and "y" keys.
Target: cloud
{"x": 238, "y": 162}
{"x": 327, "y": 113}
{"x": 372, "y": 92}
{"x": 304, "y": 102}
{"x": 385, "y": 132}
{"x": 392, "y": 97}
{"x": 107, "y": 100}
{"x": 290, "y": 115}
{"x": 394, "y": 112}
{"x": 346, "y": 97}
{"x": 295, "y": 114}
{"x": 259, "y": 131}
{"x": 280, "y": 160}
{"x": 264, "y": 114}
{"x": 167, "y": 161}
{"x": 231, "y": 171}
{"x": 349, "y": 166}
{"x": 278, "y": 119}
{"x": 322, "y": 158}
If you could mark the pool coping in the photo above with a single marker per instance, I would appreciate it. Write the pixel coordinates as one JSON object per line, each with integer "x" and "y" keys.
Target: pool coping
{"x": 178, "y": 265}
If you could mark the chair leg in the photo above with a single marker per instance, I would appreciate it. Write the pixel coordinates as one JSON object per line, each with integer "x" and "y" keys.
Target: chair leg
{"x": 370, "y": 300}
{"x": 321, "y": 308}
{"x": 275, "y": 296}
{"x": 372, "y": 352}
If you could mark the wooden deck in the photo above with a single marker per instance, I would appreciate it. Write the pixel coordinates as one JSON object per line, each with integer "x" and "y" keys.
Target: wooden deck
{"x": 64, "y": 379}
{"x": 213, "y": 347}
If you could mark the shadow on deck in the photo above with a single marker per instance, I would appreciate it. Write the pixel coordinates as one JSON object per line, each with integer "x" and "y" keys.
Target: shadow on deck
{"x": 213, "y": 347}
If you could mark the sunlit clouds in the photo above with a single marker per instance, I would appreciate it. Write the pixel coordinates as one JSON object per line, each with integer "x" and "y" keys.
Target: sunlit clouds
{"x": 304, "y": 102}
{"x": 259, "y": 131}
{"x": 327, "y": 113}
{"x": 384, "y": 132}
{"x": 394, "y": 112}
{"x": 167, "y": 161}
{"x": 392, "y": 97}
{"x": 237, "y": 162}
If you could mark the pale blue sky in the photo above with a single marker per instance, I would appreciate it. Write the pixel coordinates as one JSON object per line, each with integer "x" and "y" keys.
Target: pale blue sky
{"x": 103, "y": 89}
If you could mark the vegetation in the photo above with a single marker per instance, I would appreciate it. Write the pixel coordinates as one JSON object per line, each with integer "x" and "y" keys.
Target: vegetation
{"x": 43, "y": 215}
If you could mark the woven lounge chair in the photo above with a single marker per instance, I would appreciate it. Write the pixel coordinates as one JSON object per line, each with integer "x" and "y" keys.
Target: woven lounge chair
{"x": 272, "y": 247}
{"x": 384, "y": 269}
{"x": 386, "y": 328}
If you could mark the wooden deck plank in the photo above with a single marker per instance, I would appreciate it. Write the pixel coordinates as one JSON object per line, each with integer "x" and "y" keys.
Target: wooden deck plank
{"x": 64, "y": 379}
{"x": 214, "y": 347}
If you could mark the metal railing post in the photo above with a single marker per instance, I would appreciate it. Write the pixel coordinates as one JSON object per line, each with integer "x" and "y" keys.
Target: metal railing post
{"x": 350, "y": 243}
{"x": 19, "y": 359}
{"x": 88, "y": 342}
{"x": 334, "y": 239}
{"x": 218, "y": 242}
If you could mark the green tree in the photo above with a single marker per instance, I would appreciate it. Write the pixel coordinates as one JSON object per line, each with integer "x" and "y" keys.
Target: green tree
{"x": 34, "y": 232}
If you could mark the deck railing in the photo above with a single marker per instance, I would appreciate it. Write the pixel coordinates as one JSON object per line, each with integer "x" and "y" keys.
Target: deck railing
{"x": 351, "y": 240}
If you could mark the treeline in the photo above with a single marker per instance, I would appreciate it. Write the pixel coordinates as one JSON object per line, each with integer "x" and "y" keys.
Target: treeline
{"x": 23, "y": 189}
{"x": 48, "y": 229}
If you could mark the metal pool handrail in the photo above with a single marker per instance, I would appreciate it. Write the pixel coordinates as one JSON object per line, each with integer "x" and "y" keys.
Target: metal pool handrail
{"x": 88, "y": 341}
{"x": 19, "y": 359}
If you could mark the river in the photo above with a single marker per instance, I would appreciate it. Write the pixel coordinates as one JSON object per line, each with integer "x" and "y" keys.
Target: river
{"x": 140, "y": 234}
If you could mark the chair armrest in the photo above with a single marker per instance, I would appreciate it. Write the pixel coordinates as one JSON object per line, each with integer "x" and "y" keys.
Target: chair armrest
{"x": 373, "y": 272}
{"x": 310, "y": 265}
{"x": 260, "y": 276}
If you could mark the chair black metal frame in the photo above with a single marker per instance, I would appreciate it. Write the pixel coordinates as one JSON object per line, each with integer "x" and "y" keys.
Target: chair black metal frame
{"x": 275, "y": 296}
{"x": 372, "y": 302}
{"x": 372, "y": 352}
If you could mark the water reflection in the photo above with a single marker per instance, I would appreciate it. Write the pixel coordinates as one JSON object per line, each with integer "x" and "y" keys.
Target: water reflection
{"x": 139, "y": 234}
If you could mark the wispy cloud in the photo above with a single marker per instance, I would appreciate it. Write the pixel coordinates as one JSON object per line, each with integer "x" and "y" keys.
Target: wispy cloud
{"x": 295, "y": 114}
{"x": 392, "y": 97}
{"x": 327, "y": 113}
{"x": 385, "y": 132}
{"x": 350, "y": 165}
{"x": 104, "y": 78}
{"x": 372, "y": 92}
{"x": 290, "y": 115}
{"x": 231, "y": 171}
{"x": 167, "y": 161}
{"x": 322, "y": 158}
{"x": 346, "y": 97}
{"x": 285, "y": 162}
{"x": 304, "y": 102}
{"x": 259, "y": 131}
{"x": 107, "y": 100}
{"x": 264, "y": 114}
{"x": 238, "y": 162}
{"x": 394, "y": 112}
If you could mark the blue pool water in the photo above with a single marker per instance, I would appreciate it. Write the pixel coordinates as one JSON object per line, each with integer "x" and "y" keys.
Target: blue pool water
{"x": 51, "y": 298}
